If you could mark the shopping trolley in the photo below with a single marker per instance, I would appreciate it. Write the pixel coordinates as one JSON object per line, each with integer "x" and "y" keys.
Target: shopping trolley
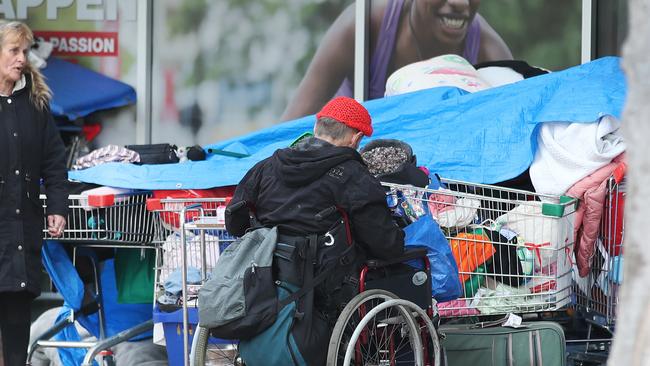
{"x": 596, "y": 295}
{"x": 106, "y": 219}
{"x": 512, "y": 247}
{"x": 190, "y": 234}
{"x": 96, "y": 220}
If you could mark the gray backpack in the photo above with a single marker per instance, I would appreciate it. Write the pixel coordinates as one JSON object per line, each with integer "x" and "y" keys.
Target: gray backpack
{"x": 240, "y": 299}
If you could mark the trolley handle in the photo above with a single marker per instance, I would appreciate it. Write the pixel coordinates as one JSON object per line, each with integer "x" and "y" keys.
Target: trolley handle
{"x": 619, "y": 173}
{"x": 235, "y": 207}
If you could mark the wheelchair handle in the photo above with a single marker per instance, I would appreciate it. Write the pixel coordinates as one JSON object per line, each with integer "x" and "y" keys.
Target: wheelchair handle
{"x": 409, "y": 254}
{"x": 235, "y": 207}
{"x": 325, "y": 213}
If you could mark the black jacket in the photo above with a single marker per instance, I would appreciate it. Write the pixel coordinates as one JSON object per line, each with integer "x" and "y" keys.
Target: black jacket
{"x": 30, "y": 150}
{"x": 295, "y": 184}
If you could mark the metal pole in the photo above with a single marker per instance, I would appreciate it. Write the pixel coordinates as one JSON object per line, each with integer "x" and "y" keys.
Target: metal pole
{"x": 204, "y": 262}
{"x": 145, "y": 66}
{"x": 186, "y": 348}
{"x": 361, "y": 36}
{"x": 186, "y": 356}
{"x": 588, "y": 7}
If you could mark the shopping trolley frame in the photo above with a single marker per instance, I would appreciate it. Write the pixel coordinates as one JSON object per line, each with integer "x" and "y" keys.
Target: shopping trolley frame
{"x": 598, "y": 305}
{"x": 187, "y": 217}
{"x": 464, "y": 210}
{"x": 122, "y": 221}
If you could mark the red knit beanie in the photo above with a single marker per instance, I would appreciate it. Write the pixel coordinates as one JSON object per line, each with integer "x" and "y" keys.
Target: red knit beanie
{"x": 349, "y": 112}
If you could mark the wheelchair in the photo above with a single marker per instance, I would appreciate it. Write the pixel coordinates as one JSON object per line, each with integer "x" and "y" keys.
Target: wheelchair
{"x": 391, "y": 321}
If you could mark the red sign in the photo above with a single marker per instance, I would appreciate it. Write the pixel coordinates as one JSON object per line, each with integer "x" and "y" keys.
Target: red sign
{"x": 81, "y": 43}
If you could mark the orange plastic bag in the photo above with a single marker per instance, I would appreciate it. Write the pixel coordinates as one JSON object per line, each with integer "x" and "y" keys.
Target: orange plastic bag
{"x": 470, "y": 251}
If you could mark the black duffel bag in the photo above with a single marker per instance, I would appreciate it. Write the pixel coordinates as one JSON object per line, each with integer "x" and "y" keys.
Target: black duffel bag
{"x": 155, "y": 153}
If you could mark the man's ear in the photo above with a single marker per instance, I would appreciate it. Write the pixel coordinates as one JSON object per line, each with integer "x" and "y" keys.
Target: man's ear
{"x": 356, "y": 139}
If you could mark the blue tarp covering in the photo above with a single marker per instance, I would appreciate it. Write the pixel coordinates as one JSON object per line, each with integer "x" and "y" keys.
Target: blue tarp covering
{"x": 78, "y": 91}
{"x": 485, "y": 137}
{"x": 119, "y": 317}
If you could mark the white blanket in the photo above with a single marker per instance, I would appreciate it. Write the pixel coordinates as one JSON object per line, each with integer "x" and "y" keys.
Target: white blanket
{"x": 568, "y": 152}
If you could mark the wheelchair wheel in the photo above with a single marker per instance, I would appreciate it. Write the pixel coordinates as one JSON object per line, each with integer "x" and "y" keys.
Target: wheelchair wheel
{"x": 430, "y": 339}
{"x": 204, "y": 353}
{"x": 391, "y": 338}
{"x": 382, "y": 324}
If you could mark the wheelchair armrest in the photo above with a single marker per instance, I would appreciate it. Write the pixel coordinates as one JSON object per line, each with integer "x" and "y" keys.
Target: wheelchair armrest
{"x": 410, "y": 253}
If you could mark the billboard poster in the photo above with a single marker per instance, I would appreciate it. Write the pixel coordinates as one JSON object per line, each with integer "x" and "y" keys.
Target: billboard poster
{"x": 412, "y": 35}
{"x": 222, "y": 69}
{"x": 98, "y": 34}
{"x": 225, "y": 68}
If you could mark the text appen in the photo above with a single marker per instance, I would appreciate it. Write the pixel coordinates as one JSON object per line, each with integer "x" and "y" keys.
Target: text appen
{"x": 93, "y": 10}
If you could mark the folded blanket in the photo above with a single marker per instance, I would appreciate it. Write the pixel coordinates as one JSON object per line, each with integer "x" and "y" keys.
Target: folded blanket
{"x": 568, "y": 152}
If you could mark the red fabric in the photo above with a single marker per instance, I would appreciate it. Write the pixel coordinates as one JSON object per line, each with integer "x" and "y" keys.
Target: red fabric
{"x": 613, "y": 223}
{"x": 170, "y": 212}
{"x": 349, "y": 112}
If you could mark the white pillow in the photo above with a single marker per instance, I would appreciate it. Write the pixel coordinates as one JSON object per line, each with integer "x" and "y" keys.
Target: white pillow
{"x": 445, "y": 70}
{"x": 497, "y": 75}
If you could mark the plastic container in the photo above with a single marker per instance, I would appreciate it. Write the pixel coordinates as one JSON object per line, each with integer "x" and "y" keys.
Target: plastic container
{"x": 173, "y": 329}
{"x": 169, "y": 203}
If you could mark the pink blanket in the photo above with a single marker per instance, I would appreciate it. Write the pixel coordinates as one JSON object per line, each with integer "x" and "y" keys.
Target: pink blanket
{"x": 591, "y": 191}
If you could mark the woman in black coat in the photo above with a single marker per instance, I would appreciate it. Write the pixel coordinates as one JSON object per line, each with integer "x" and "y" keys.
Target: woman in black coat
{"x": 31, "y": 151}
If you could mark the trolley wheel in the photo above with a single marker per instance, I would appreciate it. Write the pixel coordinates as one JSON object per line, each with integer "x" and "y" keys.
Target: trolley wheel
{"x": 203, "y": 353}
{"x": 108, "y": 361}
{"x": 392, "y": 337}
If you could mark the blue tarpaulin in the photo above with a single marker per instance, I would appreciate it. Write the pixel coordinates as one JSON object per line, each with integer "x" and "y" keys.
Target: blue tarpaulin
{"x": 484, "y": 137}
{"x": 119, "y": 317}
{"x": 78, "y": 91}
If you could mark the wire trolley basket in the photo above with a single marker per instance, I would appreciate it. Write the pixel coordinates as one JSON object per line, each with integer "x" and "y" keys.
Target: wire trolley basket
{"x": 190, "y": 235}
{"x": 597, "y": 293}
{"x": 202, "y": 240}
{"x": 512, "y": 248}
{"x": 120, "y": 218}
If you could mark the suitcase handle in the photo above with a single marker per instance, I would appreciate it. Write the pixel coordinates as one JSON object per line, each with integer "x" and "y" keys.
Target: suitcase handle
{"x": 490, "y": 324}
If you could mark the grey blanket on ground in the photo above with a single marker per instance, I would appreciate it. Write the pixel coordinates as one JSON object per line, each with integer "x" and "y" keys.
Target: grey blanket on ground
{"x": 141, "y": 353}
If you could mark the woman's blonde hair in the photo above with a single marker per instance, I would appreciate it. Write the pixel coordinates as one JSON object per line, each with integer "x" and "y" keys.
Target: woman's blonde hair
{"x": 41, "y": 93}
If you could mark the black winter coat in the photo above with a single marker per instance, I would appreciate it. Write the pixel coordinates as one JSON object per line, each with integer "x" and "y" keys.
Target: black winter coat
{"x": 30, "y": 150}
{"x": 292, "y": 186}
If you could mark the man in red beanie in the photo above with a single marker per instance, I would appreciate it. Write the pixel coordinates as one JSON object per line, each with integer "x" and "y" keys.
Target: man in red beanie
{"x": 295, "y": 184}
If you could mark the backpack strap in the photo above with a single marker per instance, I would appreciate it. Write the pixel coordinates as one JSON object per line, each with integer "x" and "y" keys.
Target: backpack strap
{"x": 310, "y": 282}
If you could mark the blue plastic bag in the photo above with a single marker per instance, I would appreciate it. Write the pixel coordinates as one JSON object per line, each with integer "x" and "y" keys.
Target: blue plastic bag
{"x": 445, "y": 285}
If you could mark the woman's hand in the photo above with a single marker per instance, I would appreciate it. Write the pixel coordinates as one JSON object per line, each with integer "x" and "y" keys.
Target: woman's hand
{"x": 55, "y": 225}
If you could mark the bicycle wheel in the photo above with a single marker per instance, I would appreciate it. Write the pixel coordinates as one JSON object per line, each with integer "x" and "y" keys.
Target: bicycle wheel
{"x": 395, "y": 340}
{"x": 203, "y": 353}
